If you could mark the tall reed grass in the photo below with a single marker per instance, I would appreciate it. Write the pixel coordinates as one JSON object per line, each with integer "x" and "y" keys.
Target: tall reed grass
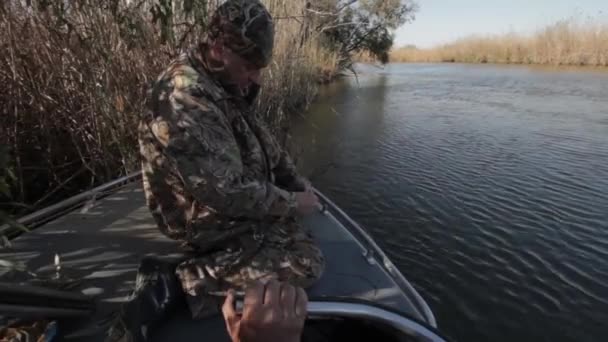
{"x": 568, "y": 42}
{"x": 73, "y": 77}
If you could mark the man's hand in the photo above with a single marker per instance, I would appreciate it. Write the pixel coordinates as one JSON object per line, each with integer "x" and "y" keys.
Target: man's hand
{"x": 308, "y": 202}
{"x": 275, "y": 312}
{"x": 305, "y": 184}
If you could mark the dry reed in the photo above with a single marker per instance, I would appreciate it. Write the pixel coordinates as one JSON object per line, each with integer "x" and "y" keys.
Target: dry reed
{"x": 73, "y": 82}
{"x": 568, "y": 42}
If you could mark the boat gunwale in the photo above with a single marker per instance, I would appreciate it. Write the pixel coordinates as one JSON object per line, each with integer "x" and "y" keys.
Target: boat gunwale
{"x": 356, "y": 308}
{"x": 45, "y": 215}
{"x": 373, "y": 250}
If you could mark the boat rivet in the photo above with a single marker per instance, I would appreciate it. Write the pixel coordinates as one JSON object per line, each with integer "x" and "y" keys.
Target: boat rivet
{"x": 369, "y": 256}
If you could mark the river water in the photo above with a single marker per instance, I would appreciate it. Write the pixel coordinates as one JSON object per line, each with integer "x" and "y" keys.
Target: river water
{"x": 486, "y": 185}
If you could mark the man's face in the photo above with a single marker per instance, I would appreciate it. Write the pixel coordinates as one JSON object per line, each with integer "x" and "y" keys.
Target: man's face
{"x": 239, "y": 72}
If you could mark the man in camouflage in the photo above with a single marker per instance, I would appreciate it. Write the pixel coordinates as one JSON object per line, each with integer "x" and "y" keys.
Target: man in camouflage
{"x": 214, "y": 176}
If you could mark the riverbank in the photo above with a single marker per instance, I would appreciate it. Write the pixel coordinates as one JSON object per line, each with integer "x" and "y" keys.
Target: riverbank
{"x": 568, "y": 42}
{"x": 74, "y": 77}
{"x": 74, "y": 89}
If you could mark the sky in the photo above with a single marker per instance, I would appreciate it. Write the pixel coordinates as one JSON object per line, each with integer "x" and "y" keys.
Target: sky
{"x": 442, "y": 21}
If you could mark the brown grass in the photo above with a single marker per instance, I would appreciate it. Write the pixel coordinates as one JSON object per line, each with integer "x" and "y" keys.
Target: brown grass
{"x": 300, "y": 63}
{"x": 73, "y": 82}
{"x": 569, "y": 42}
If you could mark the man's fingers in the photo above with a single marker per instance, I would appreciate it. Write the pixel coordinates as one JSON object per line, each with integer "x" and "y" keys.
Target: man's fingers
{"x": 288, "y": 300}
{"x": 305, "y": 183}
{"x": 254, "y": 297}
{"x": 314, "y": 198}
{"x": 273, "y": 292}
{"x": 301, "y": 302}
{"x": 230, "y": 315}
{"x": 228, "y": 307}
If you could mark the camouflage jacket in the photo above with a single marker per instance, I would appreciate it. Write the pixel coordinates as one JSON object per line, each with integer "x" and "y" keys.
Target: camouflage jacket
{"x": 210, "y": 165}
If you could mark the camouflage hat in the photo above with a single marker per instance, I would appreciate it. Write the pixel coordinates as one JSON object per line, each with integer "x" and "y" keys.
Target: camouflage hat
{"x": 246, "y": 28}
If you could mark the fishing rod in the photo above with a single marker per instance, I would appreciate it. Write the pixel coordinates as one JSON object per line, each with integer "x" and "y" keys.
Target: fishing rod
{"x": 34, "y": 302}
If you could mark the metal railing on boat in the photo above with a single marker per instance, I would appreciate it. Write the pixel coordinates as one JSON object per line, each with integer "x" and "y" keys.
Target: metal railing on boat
{"x": 375, "y": 314}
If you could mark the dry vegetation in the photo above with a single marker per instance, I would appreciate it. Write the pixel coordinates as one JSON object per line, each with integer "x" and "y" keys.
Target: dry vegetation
{"x": 569, "y": 42}
{"x": 74, "y": 74}
{"x": 73, "y": 77}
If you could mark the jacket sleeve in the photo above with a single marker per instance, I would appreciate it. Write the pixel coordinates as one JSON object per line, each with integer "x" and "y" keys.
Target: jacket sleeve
{"x": 206, "y": 156}
{"x": 286, "y": 174}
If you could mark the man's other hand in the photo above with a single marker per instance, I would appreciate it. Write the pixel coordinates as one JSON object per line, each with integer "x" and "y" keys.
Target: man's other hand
{"x": 275, "y": 312}
{"x": 306, "y": 185}
{"x": 308, "y": 202}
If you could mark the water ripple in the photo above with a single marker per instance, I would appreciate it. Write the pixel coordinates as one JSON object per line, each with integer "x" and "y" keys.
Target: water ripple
{"x": 488, "y": 187}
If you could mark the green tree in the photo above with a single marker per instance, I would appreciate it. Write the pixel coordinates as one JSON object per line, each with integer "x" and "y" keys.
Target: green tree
{"x": 365, "y": 25}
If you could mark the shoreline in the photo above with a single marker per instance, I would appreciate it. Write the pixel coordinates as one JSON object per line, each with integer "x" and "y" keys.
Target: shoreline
{"x": 58, "y": 141}
{"x": 570, "y": 42}
{"x": 559, "y": 67}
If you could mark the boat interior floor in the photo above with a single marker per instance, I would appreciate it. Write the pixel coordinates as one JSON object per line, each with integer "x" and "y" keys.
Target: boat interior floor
{"x": 103, "y": 242}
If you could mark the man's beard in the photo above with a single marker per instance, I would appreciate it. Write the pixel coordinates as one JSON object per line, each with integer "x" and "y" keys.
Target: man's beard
{"x": 249, "y": 94}
{"x": 252, "y": 93}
